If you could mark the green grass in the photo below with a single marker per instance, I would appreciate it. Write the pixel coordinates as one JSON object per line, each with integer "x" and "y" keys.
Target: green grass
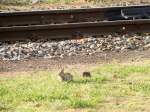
{"x": 113, "y": 87}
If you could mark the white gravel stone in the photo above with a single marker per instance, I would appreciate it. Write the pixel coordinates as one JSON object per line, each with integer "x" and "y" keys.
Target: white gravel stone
{"x": 147, "y": 40}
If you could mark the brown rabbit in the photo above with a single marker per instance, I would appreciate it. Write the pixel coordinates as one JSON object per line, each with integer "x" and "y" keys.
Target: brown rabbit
{"x": 65, "y": 76}
{"x": 86, "y": 74}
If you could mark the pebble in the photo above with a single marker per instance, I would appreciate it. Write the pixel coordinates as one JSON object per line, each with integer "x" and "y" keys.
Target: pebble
{"x": 87, "y": 46}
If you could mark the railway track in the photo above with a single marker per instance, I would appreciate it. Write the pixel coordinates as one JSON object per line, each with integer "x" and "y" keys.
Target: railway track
{"x": 57, "y": 24}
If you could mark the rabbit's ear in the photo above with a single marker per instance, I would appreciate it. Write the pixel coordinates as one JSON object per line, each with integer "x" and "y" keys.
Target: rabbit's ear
{"x": 62, "y": 70}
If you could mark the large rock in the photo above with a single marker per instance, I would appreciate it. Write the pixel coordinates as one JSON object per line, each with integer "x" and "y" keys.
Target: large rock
{"x": 21, "y": 1}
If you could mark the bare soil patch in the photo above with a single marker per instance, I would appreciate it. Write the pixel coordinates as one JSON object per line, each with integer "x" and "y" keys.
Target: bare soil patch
{"x": 73, "y": 62}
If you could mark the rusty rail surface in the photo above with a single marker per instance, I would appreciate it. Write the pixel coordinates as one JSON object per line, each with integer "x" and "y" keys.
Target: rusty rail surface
{"x": 73, "y": 29}
{"x": 73, "y": 15}
{"x": 58, "y": 24}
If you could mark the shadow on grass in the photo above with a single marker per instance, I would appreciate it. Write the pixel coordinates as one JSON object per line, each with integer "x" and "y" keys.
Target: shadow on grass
{"x": 90, "y": 80}
{"x": 83, "y": 81}
{"x": 4, "y": 108}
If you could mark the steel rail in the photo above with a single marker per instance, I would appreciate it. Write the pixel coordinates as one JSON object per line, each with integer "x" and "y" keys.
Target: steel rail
{"x": 66, "y": 16}
{"x": 72, "y": 29}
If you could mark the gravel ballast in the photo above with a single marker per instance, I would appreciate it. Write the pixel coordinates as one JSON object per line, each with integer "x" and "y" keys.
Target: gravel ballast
{"x": 76, "y": 47}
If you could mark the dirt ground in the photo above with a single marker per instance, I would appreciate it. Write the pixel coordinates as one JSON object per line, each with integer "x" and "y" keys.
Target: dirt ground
{"x": 73, "y": 62}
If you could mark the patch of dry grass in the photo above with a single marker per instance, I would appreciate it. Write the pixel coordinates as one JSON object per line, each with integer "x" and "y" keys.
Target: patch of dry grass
{"x": 54, "y": 4}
